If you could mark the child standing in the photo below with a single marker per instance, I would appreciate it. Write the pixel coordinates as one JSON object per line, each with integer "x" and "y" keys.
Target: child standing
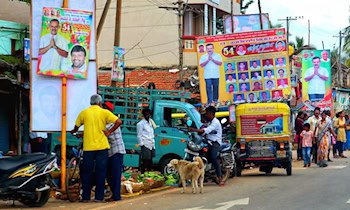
{"x": 306, "y": 139}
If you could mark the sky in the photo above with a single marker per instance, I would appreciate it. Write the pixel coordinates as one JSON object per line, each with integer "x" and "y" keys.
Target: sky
{"x": 326, "y": 17}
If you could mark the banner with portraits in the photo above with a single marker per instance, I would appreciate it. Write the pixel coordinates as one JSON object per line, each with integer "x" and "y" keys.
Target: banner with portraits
{"x": 245, "y": 23}
{"x": 317, "y": 78}
{"x": 118, "y": 64}
{"x": 64, "y": 43}
{"x": 244, "y": 67}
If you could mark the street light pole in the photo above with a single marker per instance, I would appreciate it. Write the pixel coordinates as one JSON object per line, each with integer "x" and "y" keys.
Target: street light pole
{"x": 287, "y": 19}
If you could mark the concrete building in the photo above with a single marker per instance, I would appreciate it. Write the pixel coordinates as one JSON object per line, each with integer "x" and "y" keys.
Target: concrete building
{"x": 150, "y": 33}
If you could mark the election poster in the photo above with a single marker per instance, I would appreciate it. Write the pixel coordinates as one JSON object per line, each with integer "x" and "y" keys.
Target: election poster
{"x": 244, "y": 67}
{"x": 245, "y": 23}
{"x": 317, "y": 78}
{"x": 26, "y": 50}
{"x": 118, "y": 64}
{"x": 64, "y": 43}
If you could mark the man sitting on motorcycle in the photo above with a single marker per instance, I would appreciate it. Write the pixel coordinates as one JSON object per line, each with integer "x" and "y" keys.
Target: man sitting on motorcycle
{"x": 215, "y": 140}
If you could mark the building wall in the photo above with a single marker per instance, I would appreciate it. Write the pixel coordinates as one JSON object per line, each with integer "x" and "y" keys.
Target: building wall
{"x": 15, "y": 11}
{"x": 149, "y": 33}
{"x": 11, "y": 31}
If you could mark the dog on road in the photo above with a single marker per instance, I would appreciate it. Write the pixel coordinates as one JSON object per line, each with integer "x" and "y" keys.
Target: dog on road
{"x": 192, "y": 171}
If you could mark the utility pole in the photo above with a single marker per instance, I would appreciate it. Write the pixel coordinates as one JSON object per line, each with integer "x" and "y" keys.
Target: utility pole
{"x": 181, "y": 9}
{"x": 339, "y": 74}
{"x": 103, "y": 18}
{"x": 287, "y": 25}
{"x": 118, "y": 16}
{"x": 232, "y": 21}
{"x": 260, "y": 18}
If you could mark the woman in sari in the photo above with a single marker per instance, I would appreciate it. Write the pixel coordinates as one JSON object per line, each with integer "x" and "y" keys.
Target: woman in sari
{"x": 322, "y": 133}
{"x": 340, "y": 124}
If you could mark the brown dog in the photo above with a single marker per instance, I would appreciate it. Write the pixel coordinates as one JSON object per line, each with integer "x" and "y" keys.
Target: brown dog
{"x": 190, "y": 171}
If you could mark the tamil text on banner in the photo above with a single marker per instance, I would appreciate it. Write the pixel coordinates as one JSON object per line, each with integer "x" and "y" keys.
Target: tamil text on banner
{"x": 317, "y": 78}
{"x": 118, "y": 64}
{"x": 64, "y": 43}
{"x": 243, "y": 67}
{"x": 245, "y": 23}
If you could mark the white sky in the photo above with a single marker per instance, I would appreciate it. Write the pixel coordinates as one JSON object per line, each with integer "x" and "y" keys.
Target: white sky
{"x": 327, "y": 18}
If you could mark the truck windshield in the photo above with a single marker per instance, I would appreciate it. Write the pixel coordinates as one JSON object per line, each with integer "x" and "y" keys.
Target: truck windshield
{"x": 196, "y": 115}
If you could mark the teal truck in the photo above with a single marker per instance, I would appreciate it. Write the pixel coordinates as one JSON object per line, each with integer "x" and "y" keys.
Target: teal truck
{"x": 170, "y": 140}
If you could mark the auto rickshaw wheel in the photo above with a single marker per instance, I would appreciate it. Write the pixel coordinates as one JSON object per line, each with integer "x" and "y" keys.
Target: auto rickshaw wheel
{"x": 289, "y": 168}
{"x": 238, "y": 169}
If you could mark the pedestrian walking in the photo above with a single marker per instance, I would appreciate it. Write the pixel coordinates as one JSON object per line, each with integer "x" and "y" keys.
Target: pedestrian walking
{"x": 323, "y": 128}
{"x": 299, "y": 124}
{"x": 95, "y": 146}
{"x": 313, "y": 121}
{"x": 306, "y": 137}
{"x": 331, "y": 137}
{"x": 347, "y": 144}
{"x": 115, "y": 157}
{"x": 340, "y": 124}
{"x": 145, "y": 138}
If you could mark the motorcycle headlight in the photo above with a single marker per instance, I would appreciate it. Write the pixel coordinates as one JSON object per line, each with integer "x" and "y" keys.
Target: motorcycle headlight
{"x": 194, "y": 147}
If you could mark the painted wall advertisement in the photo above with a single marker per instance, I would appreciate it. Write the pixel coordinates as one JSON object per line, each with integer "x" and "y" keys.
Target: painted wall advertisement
{"x": 243, "y": 67}
{"x": 317, "y": 78}
{"x": 64, "y": 43}
{"x": 245, "y": 23}
{"x": 267, "y": 124}
{"x": 118, "y": 65}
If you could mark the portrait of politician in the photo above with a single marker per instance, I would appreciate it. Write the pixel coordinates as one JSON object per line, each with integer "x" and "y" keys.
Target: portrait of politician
{"x": 211, "y": 63}
{"x": 78, "y": 54}
{"x": 316, "y": 77}
{"x": 53, "y": 48}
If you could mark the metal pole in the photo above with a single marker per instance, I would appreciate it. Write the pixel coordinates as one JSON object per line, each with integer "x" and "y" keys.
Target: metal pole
{"x": 287, "y": 19}
{"x": 339, "y": 61}
{"x": 232, "y": 21}
{"x": 180, "y": 12}
{"x": 118, "y": 16}
{"x": 261, "y": 25}
{"x": 103, "y": 18}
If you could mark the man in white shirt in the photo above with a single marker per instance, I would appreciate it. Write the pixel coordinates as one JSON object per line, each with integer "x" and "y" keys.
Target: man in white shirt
{"x": 214, "y": 136}
{"x": 313, "y": 121}
{"x": 270, "y": 85}
{"x": 39, "y": 142}
{"x": 316, "y": 77}
{"x": 243, "y": 78}
{"x": 268, "y": 65}
{"x": 256, "y": 75}
{"x": 282, "y": 83}
{"x": 211, "y": 63}
{"x": 230, "y": 79}
{"x": 254, "y": 66}
{"x": 324, "y": 55}
{"x": 145, "y": 138}
{"x": 239, "y": 98}
{"x": 280, "y": 62}
{"x": 251, "y": 97}
{"x": 53, "y": 48}
{"x": 269, "y": 74}
{"x": 241, "y": 50}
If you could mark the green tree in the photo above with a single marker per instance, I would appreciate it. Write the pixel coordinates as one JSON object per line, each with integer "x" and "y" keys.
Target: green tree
{"x": 299, "y": 42}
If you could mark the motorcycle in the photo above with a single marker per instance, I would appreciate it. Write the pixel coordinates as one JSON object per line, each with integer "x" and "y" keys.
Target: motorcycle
{"x": 198, "y": 146}
{"x": 26, "y": 178}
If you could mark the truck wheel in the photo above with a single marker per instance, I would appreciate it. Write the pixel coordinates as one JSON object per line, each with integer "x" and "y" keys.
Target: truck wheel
{"x": 289, "y": 168}
{"x": 165, "y": 169}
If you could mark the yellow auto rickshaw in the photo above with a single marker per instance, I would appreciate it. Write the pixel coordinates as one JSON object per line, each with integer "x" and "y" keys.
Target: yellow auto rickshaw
{"x": 263, "y": 136}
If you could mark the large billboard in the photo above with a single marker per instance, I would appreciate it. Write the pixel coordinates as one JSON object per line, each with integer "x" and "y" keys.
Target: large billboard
{"x": 64, "y": 46}
{"x": 245, "y": 23}
{"x": 317, "y": 78}
{"x": 46, "y": 92}
{"x": 243, "y": 67}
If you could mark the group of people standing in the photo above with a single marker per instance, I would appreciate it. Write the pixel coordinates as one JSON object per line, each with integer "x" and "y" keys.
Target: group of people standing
{"x": 104, "y": 148}
{"x": 319, "y": 133}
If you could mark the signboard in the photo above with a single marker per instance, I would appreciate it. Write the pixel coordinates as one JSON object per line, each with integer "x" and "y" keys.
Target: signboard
{"x": 45, "y": 92}
{"x": 26, "y": 49}
{"x": 243, "y": 67}
{"x": 232, "y": 110}
{"x": 317, "y": 78}
{"x": 64, "y": 46}
{"x": 245, "y": 23}
{"x": 118, "y": 64}
{"x": 267, "y": 124}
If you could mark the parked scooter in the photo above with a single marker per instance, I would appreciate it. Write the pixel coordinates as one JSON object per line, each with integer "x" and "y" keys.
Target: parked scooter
{"x": 26, "y": 178}
{"x": 197, "y": 145}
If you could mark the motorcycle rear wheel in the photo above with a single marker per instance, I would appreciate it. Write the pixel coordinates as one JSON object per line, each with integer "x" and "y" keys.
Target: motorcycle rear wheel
{"x": 44, "y": 197}
{"x": 73, "y": 181}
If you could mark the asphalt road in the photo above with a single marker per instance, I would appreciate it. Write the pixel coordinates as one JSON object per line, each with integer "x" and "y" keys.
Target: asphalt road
{"x": 308, "y": 188}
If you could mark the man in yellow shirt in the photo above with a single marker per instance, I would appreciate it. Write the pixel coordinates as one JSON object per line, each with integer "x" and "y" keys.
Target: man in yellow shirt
{"x": 95, "y": 146}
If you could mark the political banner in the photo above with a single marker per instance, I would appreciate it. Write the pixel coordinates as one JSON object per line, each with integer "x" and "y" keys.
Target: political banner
{"x": 317, "y": 78}
{"x": 26, "y": 50}
{"x": 243, "y": 67}
{"x": 118, "y": 64}
{"x": 64, "y": 43}
{"x": 245, "y": 23}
